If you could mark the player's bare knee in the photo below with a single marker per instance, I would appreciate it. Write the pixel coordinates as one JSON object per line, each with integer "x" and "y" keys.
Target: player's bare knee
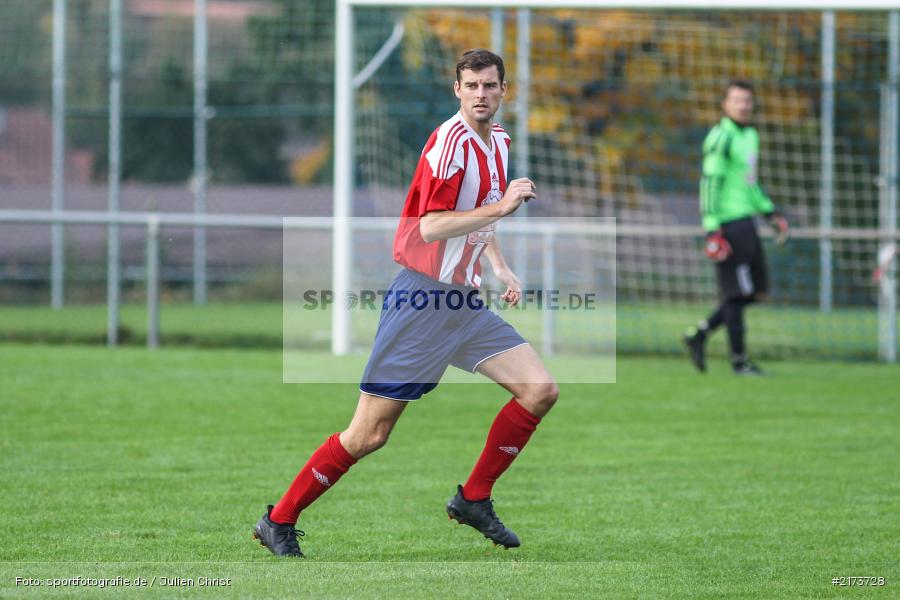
{"x": 540, "y": 398}
{"x": 549, "y": 394}
{"x": 376, "y": 437}
{"x": 360, "y": 443}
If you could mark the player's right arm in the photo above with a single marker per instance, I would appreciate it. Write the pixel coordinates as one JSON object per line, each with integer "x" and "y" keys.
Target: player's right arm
{"x": 445, "y": 224}
{"x": 716, "y": 149}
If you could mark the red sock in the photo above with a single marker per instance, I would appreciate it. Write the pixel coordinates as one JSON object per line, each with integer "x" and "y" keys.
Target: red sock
{"x": 320, "y": 472}
{"x": 508, "y": 435}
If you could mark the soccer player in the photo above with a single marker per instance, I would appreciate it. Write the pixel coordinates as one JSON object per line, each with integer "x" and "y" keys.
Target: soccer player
{"x": 433, "y": 317}
{"x": 730, "y": 198}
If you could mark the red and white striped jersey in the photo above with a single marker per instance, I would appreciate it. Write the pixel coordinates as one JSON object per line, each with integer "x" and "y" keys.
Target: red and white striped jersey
{"x": 457, "y": 171}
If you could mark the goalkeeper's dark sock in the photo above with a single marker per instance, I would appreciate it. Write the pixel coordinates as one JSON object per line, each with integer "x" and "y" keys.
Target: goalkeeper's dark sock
{"x": 320, "y": 472}
{"x": 734, "y": 321}
{"x": 509, "y": 433}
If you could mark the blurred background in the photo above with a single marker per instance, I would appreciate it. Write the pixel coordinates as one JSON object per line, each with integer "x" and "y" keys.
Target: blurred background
{"x": 232, "y": 114}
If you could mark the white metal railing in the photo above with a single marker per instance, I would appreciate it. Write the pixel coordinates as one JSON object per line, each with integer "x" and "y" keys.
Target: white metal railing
{"x": 547, "y": 230}
{"x": 152, "y": 222}
{"x": 86, "y": 217}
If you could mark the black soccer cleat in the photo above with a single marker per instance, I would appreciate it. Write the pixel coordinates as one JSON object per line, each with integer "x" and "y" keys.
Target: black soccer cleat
{"x": 696, "y": 345}
{"x": 746, "y": 368}
{"x": 481, "y": 516}
{"x": 281, "y": 540}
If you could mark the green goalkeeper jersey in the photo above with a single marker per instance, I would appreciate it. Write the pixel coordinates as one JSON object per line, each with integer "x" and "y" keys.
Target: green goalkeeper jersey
{"x": 729, "y": 189}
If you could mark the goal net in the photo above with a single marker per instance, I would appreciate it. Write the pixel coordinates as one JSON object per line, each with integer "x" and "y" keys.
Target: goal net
{"x": 616, "y": 106}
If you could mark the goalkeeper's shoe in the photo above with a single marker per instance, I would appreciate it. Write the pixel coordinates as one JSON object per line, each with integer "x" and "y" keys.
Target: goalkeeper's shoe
{"x": 696, "y": 345}
{"x": 481, "y": 516}
{"x": 280, "y": 539}
{"x": 745, "y": 367}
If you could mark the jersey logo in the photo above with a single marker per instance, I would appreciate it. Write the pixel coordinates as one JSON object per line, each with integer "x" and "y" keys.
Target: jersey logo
{"x": 486, "y": 234}
{"x": 751, "y": 169}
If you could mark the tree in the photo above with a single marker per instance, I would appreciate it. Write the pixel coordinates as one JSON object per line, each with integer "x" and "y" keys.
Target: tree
{"x": 25, "y": 51}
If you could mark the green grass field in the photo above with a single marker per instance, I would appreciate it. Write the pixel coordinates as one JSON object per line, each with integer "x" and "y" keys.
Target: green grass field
{"x": 773, "y": 331}
{"x": 666, "y": 484}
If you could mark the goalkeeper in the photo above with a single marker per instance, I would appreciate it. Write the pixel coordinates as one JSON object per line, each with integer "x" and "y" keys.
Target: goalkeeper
{"x": 730, "y": 198}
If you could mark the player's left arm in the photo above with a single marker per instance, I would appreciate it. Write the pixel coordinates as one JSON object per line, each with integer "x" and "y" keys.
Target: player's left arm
{"x": 513, "y": 291}
{"x": 764, "y": 205}
{"x": 775, "y": 217}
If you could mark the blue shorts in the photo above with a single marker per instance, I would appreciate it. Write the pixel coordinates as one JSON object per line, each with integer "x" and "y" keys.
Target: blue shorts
{"x": 425, "y": 326}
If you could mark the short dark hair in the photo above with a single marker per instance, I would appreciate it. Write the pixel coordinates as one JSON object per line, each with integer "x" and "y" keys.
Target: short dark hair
{"x": 741, "y": 84}
{"x": 478, "y": 59}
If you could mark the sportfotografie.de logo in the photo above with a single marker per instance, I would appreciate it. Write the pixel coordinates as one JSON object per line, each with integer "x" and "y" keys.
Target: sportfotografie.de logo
{"x": 450, "y": 299}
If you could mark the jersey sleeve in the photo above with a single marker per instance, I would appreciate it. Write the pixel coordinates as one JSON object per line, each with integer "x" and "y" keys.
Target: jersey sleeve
{"x": 715, "y": 166}
{"x": 442, "y": 177}
{"x": 761, "y": 200}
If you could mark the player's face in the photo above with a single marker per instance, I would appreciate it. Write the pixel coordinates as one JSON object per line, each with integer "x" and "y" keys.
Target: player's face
{"x": 479, "y": 93}
{"x": 738, "y": 105}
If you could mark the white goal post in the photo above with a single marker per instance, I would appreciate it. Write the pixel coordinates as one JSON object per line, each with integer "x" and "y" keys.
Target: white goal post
{"x": 345, "y": 114}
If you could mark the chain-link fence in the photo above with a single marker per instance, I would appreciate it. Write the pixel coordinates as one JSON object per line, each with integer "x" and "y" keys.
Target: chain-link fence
{"x": 618, "y": 104}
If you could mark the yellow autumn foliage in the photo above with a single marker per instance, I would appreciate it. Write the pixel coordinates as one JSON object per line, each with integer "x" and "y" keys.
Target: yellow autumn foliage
{"x": 643, "y": 82}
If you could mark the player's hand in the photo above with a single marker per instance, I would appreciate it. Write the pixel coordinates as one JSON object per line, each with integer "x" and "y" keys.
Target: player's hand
{"x": 513, "y": 292}
{"x": 518, "y": 191}
{"x": 781, "y": 227}
{"x": 717, "y": 247}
